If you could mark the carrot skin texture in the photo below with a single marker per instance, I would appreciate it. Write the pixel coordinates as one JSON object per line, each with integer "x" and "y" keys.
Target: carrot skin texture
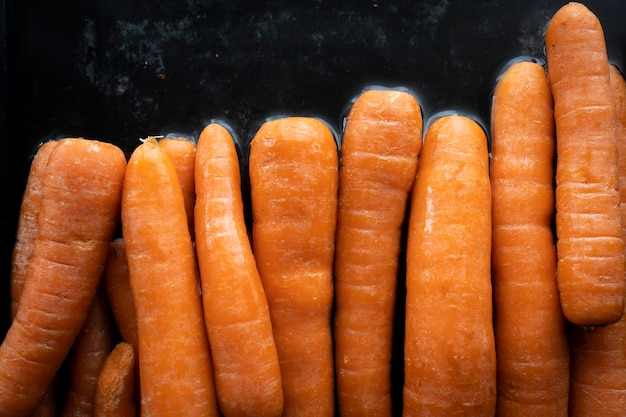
{"x": 293, "y": 170}
{"x": 379, "y": 154}
{"x": 598, "y": 368}
{"x": 531, "y": 341}
{"x": 590, "y": 249}
{"x": 450, "y": 364}
{"x": 115, "y": 391}
{"x": 79, "y": 213}
{"x": 174, "y": 360}
{"x": 245, "y": 360}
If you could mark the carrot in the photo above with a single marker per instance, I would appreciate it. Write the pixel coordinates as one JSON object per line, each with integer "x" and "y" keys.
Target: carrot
{"x": 182, "y": 152}
{"x": 116, "y": 283}
{"x": 247, "y": 371}
{"x": 26, "y": 235}
{"x": 174, "y": 360}
{"x": 115, "y": 391}
{"x": 531, "y": 341}
{"x": 450, "y": 364}
{"x": 379, "y": 151}
{"x": 598, "y": 368}
{"x": 293, "y": 167}
{"x": 590, "y": 249}
{"x": 79, "y": 213}
{"x": 91, "y": 348}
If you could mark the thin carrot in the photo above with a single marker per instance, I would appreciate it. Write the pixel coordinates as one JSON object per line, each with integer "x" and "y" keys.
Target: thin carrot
{"x": 531, "y": 341}
{"x": 182, "y": 152}
{"x": 293, "y": 169}
{"x": 174, "y": 360}
{"x": 598, "y": 368}
{"x": 590, "y": 249}
{"x": 247, "y": 371}
{"x": 379, "y": 153}
{"x": 79, "y": 214}
{"x": 87, "y": 356}
{"x": 115, "y": 391}
{"x": 450, "y": 364}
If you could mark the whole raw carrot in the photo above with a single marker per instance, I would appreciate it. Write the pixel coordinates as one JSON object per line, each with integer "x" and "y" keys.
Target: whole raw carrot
{"x": 531, "y": 342}
{"x": 87, "y": 356}
{"x": 590, "y": 249}
{"x": 182, "y": 152}
{"x": 176, "y": 377}
{"x": 379, "y": 151}
{"x": 598, "y": 368}
{"x": 115, "y": 391}
{"x": 78, "y": 216}
{"x": 450, "y": 363}
{"x": 293, "y": 183}
{"x": 245, "y": 360}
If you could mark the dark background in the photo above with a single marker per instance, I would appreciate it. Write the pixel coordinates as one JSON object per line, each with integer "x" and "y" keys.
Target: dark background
{"x": 120, "y": 70}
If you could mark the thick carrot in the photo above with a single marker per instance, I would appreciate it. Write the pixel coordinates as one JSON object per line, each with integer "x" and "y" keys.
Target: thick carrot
{"x": 26, "y": 235}
{"x": 174, "y": 360}
{"x": 590, "y": 249}
{"x": 247, "y": 371}
{"x": 598, "y": 368}
{"x": 115, "y": 391}
{"x": 79, "y": 214}
{"x": 182, "y": 152}
{"x": 450, "y": 363}
{"x": 116, "y": 284}
{"x": 294, "y": 182}
{"x": 91, "y": 348}
{"x": 531, "y": 342}
{"x": 379, "y": 152}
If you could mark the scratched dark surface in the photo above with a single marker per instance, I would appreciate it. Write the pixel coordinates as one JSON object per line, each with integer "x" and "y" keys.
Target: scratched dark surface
{"x": 119, "y": 70}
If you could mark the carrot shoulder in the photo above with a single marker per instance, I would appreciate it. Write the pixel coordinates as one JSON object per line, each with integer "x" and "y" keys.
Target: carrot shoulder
{"x": 379, "y": 153}
{"x": 247, "y": 371}
{"x": 450, "y": 364}
{"x": 115, "y": 391}
{"x": 174, "y": 361}
{"x": 531, "y": 342}
{"x": 293, "y": 182}
{"x": 79, "y": 214}
{"x": 590, "y": 249}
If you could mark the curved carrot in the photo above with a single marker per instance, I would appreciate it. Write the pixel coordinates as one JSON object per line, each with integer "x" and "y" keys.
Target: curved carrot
{"x": 531, "y": 343}
{"x": 115, "y": 391}
{"x": 174, "y": 360}
{"x": 293, "y": 166}
{"x": 598, "y": 368}
{"x": 182, "y": 152}
{"x": 247, "y": 371}
{"x": 379, "y": 152}
{"x": 590, "y": 249}
{"x": 87, "y": 356}
{"x": 450, "y": 364}
{"x": 79, "y": 214}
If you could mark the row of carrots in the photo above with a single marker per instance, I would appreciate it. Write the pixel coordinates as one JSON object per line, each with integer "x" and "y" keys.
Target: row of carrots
{"x": 514, "y": 263}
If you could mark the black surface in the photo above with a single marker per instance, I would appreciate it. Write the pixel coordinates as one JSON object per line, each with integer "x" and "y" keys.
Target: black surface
{"x": 119, "y": 70}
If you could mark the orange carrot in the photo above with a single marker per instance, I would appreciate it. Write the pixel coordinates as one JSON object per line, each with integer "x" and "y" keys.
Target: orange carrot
{"x": 379, "y": 151}
{"x": 293, "y": 183}
{"x": 91, "y": 348}
{"x": 116, "y": 283}
{"x": 531, "y": 342}
{"x": 450, "y": 364}
{"x": 26, "y": 235}
{"x": 78, "y": 216}
{"x": 115, "y": 391}
{"x": 590, "y": 249}
{"x": 598, "y": 368}
{"x": 174, "y": 360}
{"x": 182, "y": 152}
{"x": 247, "y": 371}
